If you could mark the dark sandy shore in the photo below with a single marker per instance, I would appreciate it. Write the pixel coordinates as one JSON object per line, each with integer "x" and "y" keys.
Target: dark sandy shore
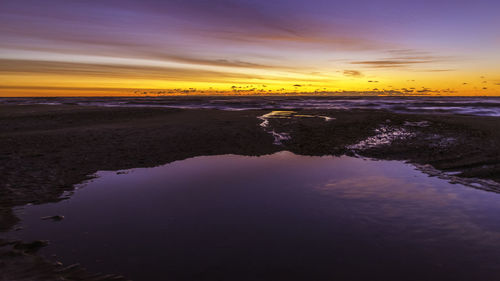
{"x": 45, "y": 150}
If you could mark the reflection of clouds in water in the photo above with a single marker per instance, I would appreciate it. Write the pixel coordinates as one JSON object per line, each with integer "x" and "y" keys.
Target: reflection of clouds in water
{"x": 385, "y": 188}
{"x": 426, "y": 211}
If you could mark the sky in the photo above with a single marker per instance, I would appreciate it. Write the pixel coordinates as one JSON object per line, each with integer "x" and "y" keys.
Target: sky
{"x": 154, "y": 47}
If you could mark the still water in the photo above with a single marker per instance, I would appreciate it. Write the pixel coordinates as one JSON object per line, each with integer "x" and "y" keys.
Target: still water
{"x": 276, "y": 217}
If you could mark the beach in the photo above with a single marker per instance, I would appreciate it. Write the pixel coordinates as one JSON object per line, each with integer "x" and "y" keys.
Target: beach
{"x": 45, "y": 150}
{"x": 235, "y": 140}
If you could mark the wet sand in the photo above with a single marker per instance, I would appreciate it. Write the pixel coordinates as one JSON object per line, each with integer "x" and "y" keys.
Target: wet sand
{"x": 45, "y": 150}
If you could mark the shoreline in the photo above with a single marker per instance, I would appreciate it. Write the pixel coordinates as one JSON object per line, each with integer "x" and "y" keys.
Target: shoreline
{"x": 46, "y": 149}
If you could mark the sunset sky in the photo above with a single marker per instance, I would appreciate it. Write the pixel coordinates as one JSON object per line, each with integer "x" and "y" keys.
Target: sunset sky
{"x": 126, "y": 47}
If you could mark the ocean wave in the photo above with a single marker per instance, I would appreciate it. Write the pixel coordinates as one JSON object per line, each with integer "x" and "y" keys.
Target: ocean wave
{"x": 478, "y": 106}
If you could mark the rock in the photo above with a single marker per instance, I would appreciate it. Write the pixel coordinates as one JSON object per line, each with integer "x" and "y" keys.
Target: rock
{"x": 31, "y": 247}
{"x": 54, "y": 218}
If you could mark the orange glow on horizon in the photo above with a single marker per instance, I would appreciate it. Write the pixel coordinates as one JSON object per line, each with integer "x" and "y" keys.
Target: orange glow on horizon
{"x": 67, "y": 48}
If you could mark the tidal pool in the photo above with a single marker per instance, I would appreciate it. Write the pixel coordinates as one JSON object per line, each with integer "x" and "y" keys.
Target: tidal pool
{"x": 276, "y": 217}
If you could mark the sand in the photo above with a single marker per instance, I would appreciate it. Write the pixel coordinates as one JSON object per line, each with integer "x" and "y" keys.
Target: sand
{"x": 45, "y": 150}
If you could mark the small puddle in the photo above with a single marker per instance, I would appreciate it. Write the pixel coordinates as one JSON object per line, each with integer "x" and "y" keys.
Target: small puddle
{"x": 276, "y": 217}
{"x": 279, "y": 137}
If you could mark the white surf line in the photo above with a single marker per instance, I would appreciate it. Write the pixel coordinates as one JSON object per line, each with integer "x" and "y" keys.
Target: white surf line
{"x": 284, "y": 114}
